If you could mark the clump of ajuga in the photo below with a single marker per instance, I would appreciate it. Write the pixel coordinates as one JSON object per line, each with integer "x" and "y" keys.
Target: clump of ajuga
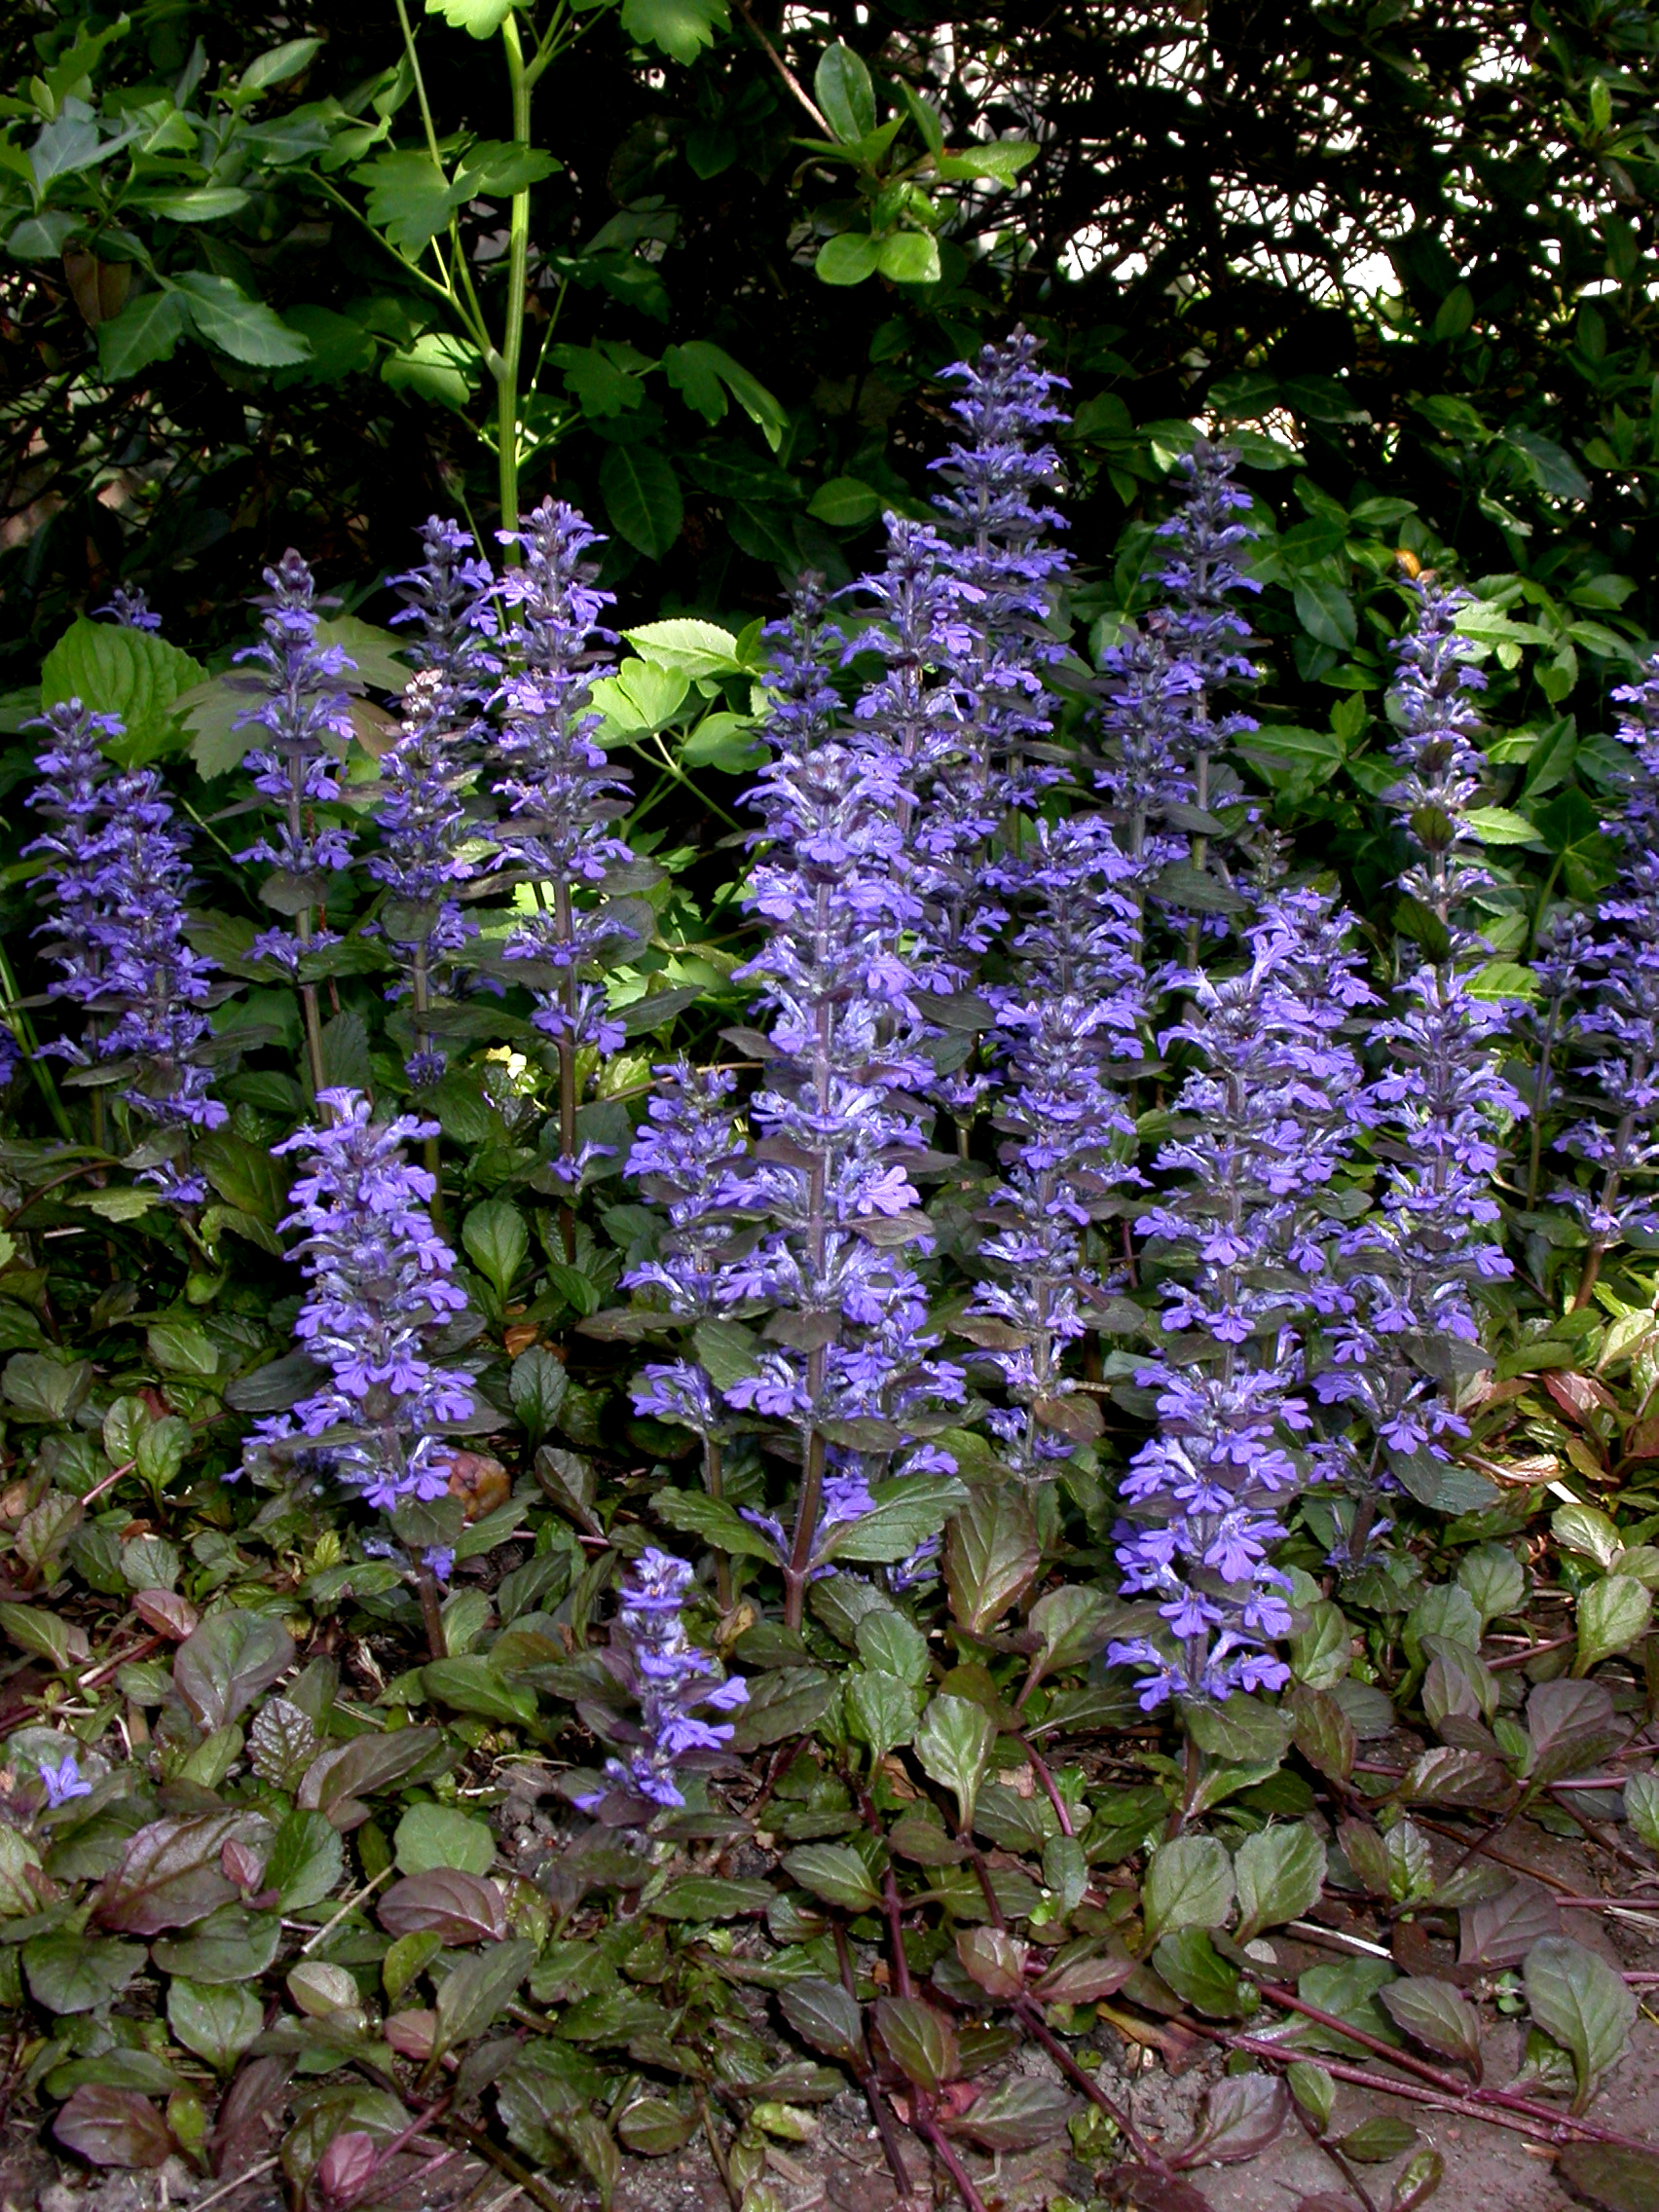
{"x": 562, "y": 799}
{"x": 1262, "y": 1122}
{"x": 422, "y": 816}
{"x": 1440, "y": 1105}
{"x": 379, "y": 1295}
{"x": 115, "y": 858}
{"x": 851, "y": 1371}
{"x": 302, "y": 696}
{"x": 665, "y": 1675}
{"x": 1611, "y": 969}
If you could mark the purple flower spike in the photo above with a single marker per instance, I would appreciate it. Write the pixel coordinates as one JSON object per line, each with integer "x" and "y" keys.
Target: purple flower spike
{"x": 422, "y": 816}
{"x": 656, "y": 1661}
{"x": 1263, "y": 1120}
{"x": 303, "y": 703}
{"x": 131, "y": 610}
{"x": 563, "y": 797}
{"x": 380, "y": 1292}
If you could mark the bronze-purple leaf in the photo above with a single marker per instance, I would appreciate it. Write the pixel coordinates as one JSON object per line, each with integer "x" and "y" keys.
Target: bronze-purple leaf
{"x": 458, "y": 1907}
{"x": 1499, "y": 1931}
{"x": 250, "y": 2115}
{"x": 113, "y": 2127}
{"x": 171, "y": 1874}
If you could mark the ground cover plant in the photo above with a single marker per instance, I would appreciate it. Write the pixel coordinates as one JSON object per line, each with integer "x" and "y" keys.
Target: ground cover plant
{"x": 653, "y": 1478}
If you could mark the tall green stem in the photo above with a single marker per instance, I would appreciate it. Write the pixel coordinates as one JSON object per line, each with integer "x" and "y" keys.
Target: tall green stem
{"x": 518, "y": 272}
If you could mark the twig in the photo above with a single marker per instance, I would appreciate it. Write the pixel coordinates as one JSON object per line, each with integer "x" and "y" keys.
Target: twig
{"x": 350, "y": 1906}
{"x": 784, "y": 70}
{"x": 925, "y": 2125}
{"x": 1025, "y": 2012}
{"x": 229, "y": 2188}
{"x": 504, "y": 2162}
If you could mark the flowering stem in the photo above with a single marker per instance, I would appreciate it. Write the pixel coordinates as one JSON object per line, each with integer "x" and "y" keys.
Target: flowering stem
{"x": 800, "y": 1567}
{"x": 713, "y": 1482}
{"x": 431, "y": 1612}
{"x": 518, "y": 266}
{"x": 928, "y": 2129}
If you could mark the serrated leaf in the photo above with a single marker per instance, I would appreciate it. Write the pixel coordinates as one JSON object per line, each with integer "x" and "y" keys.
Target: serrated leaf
{"x": 834, "y": 1872}
{"x": 1018, "y": 2115}
{"x": 1195, "y": 1971}
{"x": 129, "y": 672}
{"x": 1434, "y": 2013}
{"x": 1611, "y": 1614}
{"x": 954, "y": 1745}
{"x": 1580, "y": 2001}
{"x": 882, "y": 1709}
{"x": 475, "y": 1991}
{"x": 227, "y": 1662}
{"x": 1279, "y": 1873}
{"x": 920, "y": 2040}
{"x": 682, "y": 28}
{"x": 823, "y": 2014}
{"x": 70, "y": 1973}
{"x": 147, "y": 331}
{"x": 1189, "y": 1884}
{"x": 994, "y": 1960}
{"x": 245, "y": 328}
{"x": 704, "y": 1897}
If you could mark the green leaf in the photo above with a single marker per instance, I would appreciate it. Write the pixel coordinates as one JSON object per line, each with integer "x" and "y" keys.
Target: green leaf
{"x": 909, "y": 257}
{"x": 1577, "y": 1997}
{"x": 1495, "y": 1580}
{"x": 1001, "y": 159}
{"x": 1326, "y": 613}
{"x": 1502, "y": 825}
{"x": 1378, "y": 2140}
{"x": 1613, "y": 2179}
{"x": 640, "y": 695}
{"x": 834, "y": 1872}
{"x": 216, "y": 2021}
{"x": 682, "y": 28}
{"x": 906, "y": 1509}
{"x": 703, "y": 1896}
{"x": 717, "y": 1524}
{"x": 841, "y": 84}
{"x": 700, "y": 368}
{"x": 497, "y": 1243}
{"x": 482, "y": 19}
{"x": 472, "y": 1686}
{"x": 991, "y": 1555}
{"x": 848, "y": 258}
{"x": 1279, "y": 1873}
{"x": 537, "y": 1384}
{"x": 437, "y": 1835}
{"x": 1611, "y": 1614}
{"x": 146, "y": 330}
{"x": 1195, "y": 1971}
{"x": 475, "y": 1990}
{"x": 694, "y": 646}
{"x": 844, "y": 503}
{"x": 882, "y": 1709}
{"x": 643, "y": 497}
{"x": 225, "y": 1664}
{"x": 887, "y": 1644}
{"x": 246, "y": 329}
{"x": 954, "y": 1745}
{"x": 1551, "y": 466}
{"x": 1189, "y": 1884}
{"x": 307, "y": 1858}
{"x": 69, "y": 1972}
{"x": 441, "y": 366}
{"x": 1642, "y": 1807}
{"x": 130, "y": 673}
